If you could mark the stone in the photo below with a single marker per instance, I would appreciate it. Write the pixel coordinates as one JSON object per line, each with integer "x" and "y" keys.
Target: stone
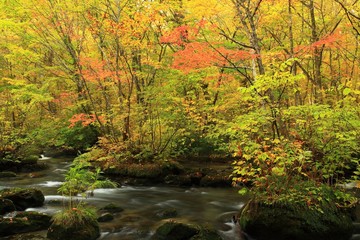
{"x": 216, "y": 180}
{"x": 296, "y": 222}
{"x": 175, "y": 231}
{"x": 105, "y": 217}
{"x": 23, "y": 223}
{"x": 167, "y": 213}
{"x": 74, "y": 224}
{"x": 7, "y": 174}
{"x": 112, "y": 208}
{"x": 31, "y": 159}
{"x": 180, "y": 231}
{"x": 23, "y": 198}
{"x": 6, "y": 206}
{"x": 207, "y": 233}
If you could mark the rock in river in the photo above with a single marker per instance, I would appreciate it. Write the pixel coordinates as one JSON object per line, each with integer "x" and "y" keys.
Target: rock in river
{"x": 23, "y": 198}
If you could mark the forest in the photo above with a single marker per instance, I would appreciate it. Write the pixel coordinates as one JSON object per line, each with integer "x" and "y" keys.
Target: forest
{"x": 272, "y": 85}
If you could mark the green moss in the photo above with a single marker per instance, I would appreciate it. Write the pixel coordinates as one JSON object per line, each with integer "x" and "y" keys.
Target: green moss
{"x": 174, "y": 231}
{"x": 295, "y": 221}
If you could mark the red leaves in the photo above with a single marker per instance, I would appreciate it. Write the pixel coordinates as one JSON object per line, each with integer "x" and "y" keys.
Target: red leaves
{"x": 331, "y": 40}
{"x": 178, "y": 36}
{"x": 95, "y": 70}
{"x": 85, "y": 119}
{"x": 198, "y": 55}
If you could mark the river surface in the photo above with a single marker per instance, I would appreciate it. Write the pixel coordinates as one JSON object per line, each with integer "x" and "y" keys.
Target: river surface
{"x": 207, "y": 206}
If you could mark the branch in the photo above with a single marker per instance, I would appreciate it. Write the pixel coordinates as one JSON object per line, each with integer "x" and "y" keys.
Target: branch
{"x": 256, "y": 8}
{"x": 237, "y": 42}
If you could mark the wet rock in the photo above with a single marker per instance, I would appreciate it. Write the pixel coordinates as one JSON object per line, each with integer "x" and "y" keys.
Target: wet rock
{"x": 31, "y": 159}
{"x": 175, "y": 231}
{"x": 112, "y": 208}
{"x": 23, "y": 198}
{"x": 105, "y": 217}
{"x": 40, "y": 220}
{"x": 180, "y": 231}
{"x": 6, "y": 206}
{"x": 167, "y": 213}
{"x": 178, "y": 180}
{"x": 24, "y": 222}
{"x": 207, "y": 233}
{"x": 7, "y": 174}
{"x": 9, "y": 165}
{"x": 217, "y": 180}
{"x": 74, "y": 224}
{"x": 295, "y": 222}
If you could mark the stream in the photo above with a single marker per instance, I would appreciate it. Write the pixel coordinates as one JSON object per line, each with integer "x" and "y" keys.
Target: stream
{"x": 206, "y": 206}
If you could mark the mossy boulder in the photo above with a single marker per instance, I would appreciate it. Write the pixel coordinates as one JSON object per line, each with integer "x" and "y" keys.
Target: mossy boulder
{"x": 24, "y": 222}
{"x": 112, "y": 208}
{"x": 9, "y": 165}
{"x": 295, "y": 221}
{"x": 7, "y": 174}
{"x": 31, "y": 159}
{"x": 175, "y": 231}
{"x": 23, "y": 198}
{"x": 207, "y": 233}
{"x": 6, "y": 206}
{"x": 216, "y": 180}
{"x": 167, "y": 213}
{"x": 105, "y": 217}
{"x": 180, "y": 231}
{"x": 74, "y": 224}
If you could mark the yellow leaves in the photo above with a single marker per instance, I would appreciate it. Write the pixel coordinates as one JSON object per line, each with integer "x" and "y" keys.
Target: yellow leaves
{"x": 220, "y": 10}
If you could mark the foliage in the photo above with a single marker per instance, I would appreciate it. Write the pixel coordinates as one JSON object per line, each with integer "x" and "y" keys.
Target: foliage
{"x": 79, "y": 179}
{"x": 275, "y": 83}
{"x": 320, "y": 147}
{"x": 80, "y": 215}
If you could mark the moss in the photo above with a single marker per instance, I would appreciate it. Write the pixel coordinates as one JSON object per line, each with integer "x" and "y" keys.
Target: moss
{"x": 112, "y": 208}
{"x": 175, "y": 231}
{"x": 76, "y": 224}
{"x": 296, "y": 221}
{"x": 31, "y": 159}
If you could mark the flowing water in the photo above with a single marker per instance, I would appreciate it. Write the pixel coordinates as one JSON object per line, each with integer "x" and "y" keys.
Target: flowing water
{"x": 207, "y": 206}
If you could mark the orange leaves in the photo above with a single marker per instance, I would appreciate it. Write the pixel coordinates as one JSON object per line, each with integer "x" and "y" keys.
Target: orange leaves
{"x": 178, "y": 36}
{"x": 195, "y": 55}
{"x": 95, "y": 70}
{"x": 85, "y": 119}
{"x": 198, "y": 55}
{"x": 331, "y": 40}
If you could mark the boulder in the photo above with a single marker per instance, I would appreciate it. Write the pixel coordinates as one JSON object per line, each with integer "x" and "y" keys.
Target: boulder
{"x": 105, "y": 217}
{"x": 295, "y": 221}
{"x": 112, "y": 208}
{"x": 24, "y": 222}
{"x": 74, "y": 224}
{"x": 206, "y": 233}
{"x": 31, "y": 159}
{"x": 180, "y": 231}
{"x": 23, "y": 198}
{"x": 175, "y": 231}
{"x": 216, "y": 180}
{"x": 6, "y": 206}
{"x": 7, "y": 174}
{"x": 167, "y": 213}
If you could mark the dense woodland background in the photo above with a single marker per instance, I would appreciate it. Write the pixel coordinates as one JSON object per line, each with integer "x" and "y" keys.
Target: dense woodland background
{"x": 272, "y": 83}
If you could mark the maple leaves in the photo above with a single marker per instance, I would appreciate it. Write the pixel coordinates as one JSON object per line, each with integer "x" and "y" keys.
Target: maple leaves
{"x": 84, "y": 119}
{"x": 95, "y": 70}
{"x": 196, "y": 52}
